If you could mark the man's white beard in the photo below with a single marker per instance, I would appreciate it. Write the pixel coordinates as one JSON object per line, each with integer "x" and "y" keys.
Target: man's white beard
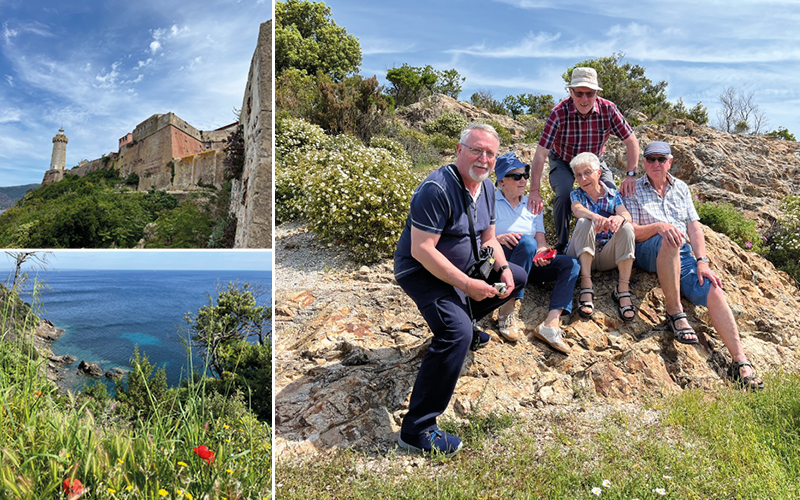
{"x": 478, "y": 178}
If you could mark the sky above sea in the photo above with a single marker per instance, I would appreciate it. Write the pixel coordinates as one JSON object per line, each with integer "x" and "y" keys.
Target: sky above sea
{"x": 98, "y": 68}
{"x": 512, "y": 47}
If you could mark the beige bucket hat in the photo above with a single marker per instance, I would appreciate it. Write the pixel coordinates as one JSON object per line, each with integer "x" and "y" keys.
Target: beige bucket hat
{"x": 584, "y": 77}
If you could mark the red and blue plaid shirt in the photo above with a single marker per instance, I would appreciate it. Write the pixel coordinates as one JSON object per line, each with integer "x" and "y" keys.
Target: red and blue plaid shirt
{"x": 569, "y": 133}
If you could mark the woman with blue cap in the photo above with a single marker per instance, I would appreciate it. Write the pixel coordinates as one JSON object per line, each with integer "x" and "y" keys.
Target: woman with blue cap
{"x": 523, "y": 239}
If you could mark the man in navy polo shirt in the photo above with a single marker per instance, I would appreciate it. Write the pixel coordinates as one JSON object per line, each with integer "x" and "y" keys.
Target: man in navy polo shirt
{"x": 579, "y": 124}
{"x": 433, "y": 254}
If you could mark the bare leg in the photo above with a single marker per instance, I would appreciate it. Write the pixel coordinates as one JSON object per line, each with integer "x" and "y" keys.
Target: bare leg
{"x": 553, "y": 318}
{"x": 723, "y": 322}
{"x": 586, "y": 277}
{"x": 507, "y": 308}
{"x": 668, "y": 269}
{"x": 624, "y": 267}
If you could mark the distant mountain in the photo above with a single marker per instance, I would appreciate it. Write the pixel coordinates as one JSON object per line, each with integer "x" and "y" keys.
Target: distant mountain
{"x": 9, "y": 195}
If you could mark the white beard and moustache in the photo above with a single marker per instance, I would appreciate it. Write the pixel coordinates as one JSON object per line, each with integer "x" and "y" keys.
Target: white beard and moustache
{"x": 479, "y": 178}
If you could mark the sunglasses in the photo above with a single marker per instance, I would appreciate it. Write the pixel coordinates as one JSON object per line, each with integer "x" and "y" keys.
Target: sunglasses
{"x": 660, "y": 159}
{"x": 580, "y": 95}
{"x": 517, "y": 177}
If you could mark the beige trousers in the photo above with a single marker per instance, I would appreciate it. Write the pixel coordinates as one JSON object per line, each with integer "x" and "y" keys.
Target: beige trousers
{"x": 622, "y": 245}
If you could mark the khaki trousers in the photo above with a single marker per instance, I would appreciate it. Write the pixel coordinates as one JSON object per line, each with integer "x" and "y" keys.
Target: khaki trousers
{"x": 622, "y": 245}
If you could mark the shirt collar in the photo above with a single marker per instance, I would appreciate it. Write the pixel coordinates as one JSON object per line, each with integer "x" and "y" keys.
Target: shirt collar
{"x": 670, "y": 180}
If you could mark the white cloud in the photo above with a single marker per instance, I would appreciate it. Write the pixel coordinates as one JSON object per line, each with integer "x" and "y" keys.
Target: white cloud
{"x": 142, "y": 64}
{"x": 10, "y": 80}
{"x": 155, "y": 46}
{"x": 10, "y": 115}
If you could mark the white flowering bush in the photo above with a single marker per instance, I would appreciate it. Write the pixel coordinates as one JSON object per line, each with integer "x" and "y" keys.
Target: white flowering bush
{"x": 348, "y": 194}
{"x": 392, "y": 146}
{"x": 293, "y": 134}
{"x": 359, "y": 198}
{"x": 784, "y": 244}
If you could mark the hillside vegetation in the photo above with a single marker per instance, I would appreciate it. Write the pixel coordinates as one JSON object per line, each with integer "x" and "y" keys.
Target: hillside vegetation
{"x": 98, "y": 211}
{"x": 209, "y": 438}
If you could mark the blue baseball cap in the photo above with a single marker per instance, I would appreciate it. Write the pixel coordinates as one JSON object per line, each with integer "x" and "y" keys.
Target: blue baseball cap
{"x": 506, "y": 163}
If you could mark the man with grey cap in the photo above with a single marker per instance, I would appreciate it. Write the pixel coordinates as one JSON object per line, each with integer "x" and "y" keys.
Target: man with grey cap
{"x": 664, "y": 218}
{"x": 581, "y": 123}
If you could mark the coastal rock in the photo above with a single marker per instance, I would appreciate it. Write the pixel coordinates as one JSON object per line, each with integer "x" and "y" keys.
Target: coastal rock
{"x": 115, "y": 373}
{"x": 89, "y": 369}
{"x": 61, "y": 360}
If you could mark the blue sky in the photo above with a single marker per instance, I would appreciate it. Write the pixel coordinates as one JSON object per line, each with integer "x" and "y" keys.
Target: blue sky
{"x": 523, "y": 46}
{"x": 175, "y": 260}
{"x": 100, "y": 67}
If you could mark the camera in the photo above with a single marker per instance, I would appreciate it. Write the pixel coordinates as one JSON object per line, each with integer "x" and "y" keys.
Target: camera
{"x": 501, "y": 288}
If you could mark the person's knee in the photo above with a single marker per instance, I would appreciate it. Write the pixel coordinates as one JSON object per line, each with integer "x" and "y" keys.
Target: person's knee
{"x": 668, "y": 251}
{"x": 527, "y": 245}
{"x": 627, "y": 233}
{"x": 583, "y": 225}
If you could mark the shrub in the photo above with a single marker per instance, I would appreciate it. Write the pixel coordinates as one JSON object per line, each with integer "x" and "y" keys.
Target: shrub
{"x": 297, "y": 135}
{"x": 784, "y": 250}
{"x": 505, "y": 135}
{"x": 449, "y": 124}
{"x": 725, "y": 218}
{"x": 391, "y": 146}
{"x": 296, "y": 93}
{"x": 423, "y": 155}
{"x": 443, "y": 144}
{"x": 132, "y": 179}
{"x": 355, "y": 196}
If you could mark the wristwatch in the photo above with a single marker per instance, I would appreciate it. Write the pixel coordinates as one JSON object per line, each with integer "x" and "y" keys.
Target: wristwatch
{"x": 502, "y": 268}
{"x": 631, "y": 173}
{"x": 702, "y": 259}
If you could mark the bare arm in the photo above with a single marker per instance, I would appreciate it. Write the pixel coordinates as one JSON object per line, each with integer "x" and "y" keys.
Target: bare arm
{"x": 535, "y": 204}
{"x": 628, "y": 185}
{"x": 670, "y": 233}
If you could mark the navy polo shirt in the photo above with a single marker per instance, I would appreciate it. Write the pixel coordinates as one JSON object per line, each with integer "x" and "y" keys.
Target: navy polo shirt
{"x": 438, "y": 206}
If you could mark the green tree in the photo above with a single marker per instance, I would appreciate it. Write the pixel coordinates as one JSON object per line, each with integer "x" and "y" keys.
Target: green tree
{"x": 782, "y": 133}
{"x": 307, "y": 38}
{"x": 625, "y": 85}
{"x": 449, "y": 83}
{"x": 410, "y": 84}
{"x": 141, "y": 391}
{"x": 698, "y": 113}
{"x": 248, "y": 368}
{"x": 537, "y": 105}
{"x": 484, "y": 99}
{"x": 233, "y": 317}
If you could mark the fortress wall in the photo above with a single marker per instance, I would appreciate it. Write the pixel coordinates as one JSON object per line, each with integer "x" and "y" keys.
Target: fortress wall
{"x": 251, "y": 197}
{"x": 207, "y": 167}
{"x": 183, "y": 144}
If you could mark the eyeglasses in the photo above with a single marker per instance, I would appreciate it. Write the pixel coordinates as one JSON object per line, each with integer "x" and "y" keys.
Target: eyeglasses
{"x": 517, "y": 177}
{"x": 477, "y": 152}
{"x": 585, "y": 174}
{"x": 660, "y": 159}
{"x": 579, "y": 94}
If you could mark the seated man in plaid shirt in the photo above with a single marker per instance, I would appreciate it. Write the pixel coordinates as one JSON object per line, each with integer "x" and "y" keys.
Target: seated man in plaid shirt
{"x": 579, "y": 124}
{"x": 664, "y": 218}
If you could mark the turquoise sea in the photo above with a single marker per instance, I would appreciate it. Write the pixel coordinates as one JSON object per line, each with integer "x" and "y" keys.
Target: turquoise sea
{"x": 106, "y": 313}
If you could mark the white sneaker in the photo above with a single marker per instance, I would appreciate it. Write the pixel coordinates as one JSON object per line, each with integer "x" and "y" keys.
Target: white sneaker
{"x": 507, "y": 327}
{"x": 552, "y": 336}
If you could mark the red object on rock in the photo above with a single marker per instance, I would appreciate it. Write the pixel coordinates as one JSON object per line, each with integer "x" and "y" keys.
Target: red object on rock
{"x": 204, "y": 453}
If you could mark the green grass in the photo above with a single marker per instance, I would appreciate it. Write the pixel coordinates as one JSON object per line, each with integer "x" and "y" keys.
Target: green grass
{"x": 698, "y": 444}
{"x": 46, "y": 437}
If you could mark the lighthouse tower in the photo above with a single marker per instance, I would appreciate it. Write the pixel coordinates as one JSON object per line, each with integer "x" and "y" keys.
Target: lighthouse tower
{"x": 59, "y": 158}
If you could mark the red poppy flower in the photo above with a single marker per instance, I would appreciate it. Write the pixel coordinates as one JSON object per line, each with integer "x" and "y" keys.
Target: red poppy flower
{"x": 204, "y": 453}
{"x": 72, "y": 487}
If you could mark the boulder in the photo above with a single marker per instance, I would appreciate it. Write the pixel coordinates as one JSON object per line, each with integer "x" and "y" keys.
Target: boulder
{"x": 89, "y": 369}
{"x": 115, "y": 373}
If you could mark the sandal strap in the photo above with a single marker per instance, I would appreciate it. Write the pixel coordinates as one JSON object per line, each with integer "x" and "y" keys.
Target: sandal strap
{"x": 587, "y": 290}
{"x": 621, "y": 295}
{"x": 676, "y": 317}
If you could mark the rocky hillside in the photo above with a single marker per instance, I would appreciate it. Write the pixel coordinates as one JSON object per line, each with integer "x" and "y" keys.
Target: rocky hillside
{"x": 349, "y": 341}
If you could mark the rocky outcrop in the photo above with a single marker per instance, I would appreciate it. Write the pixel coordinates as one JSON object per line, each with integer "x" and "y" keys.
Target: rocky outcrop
{"x": 348, "y": 348}
{"x": 115, "y": 373}
{"x": 417, "y": 114}
{"x": 89, "y": 369}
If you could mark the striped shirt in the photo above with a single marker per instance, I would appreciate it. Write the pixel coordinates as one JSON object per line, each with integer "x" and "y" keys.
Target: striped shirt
{"x": 675, "y": 207}
{"x": 569, "y": 133}
{"x": 606, "y": 206}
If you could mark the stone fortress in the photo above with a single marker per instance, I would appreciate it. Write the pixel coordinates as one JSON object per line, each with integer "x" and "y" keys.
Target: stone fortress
{"x": 166, "y": 152}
